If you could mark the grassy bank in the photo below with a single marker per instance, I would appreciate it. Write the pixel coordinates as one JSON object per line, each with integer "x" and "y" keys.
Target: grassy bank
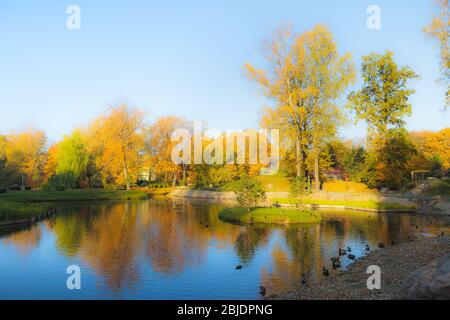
{"x": 72, "y": 195}
{"x": 275, "y": 183}
{"x": 368, "y": 204}
{"x": 439, "y": 187}
{"x": 268, "y": 215}
{"x": 12, "y": 211}
{"x": 18, "y": 205}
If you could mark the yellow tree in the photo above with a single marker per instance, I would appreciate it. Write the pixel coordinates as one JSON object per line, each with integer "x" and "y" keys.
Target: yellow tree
{"x": 51, "y": 161}
{"x": 431, "y": 145}
{"x": 305, "y": 78}
{"x": 439, "y": 30}
{"x": 116, "y": 143}
{"x": 159, "y": 146}
{"x": 284, "y": 82}
{"x": 25, "y": 154}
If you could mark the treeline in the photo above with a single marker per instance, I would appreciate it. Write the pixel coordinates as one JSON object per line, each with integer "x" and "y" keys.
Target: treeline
{"x": 307, "y": 79}
{"x": 118, "y": 150}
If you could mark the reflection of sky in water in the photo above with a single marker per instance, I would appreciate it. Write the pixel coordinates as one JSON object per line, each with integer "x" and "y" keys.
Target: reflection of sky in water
{"x": 158, "y": 250}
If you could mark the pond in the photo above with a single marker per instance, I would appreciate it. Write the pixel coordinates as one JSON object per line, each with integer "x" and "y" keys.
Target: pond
{"x": 181, "y": 250}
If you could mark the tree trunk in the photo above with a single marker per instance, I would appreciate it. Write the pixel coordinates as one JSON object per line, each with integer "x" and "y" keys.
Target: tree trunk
{"x": 316, "y": 171}
{"x": 299, "y": 158}
{"x": 125, "y": 176}
{"x": 174, "y": 179}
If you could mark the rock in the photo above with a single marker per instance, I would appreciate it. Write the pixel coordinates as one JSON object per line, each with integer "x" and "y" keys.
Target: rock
{"x": 431, "y": 282}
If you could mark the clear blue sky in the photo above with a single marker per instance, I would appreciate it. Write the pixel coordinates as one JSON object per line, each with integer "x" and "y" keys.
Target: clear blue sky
{"x": 185, "y": 58}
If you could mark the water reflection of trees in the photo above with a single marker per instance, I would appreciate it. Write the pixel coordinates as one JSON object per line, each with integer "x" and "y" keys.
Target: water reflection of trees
{"x": 118, "y": 240}
{"x": 249, "y": 239}
{"x": 25, "y": 240}
{"x": 112, "y": 238}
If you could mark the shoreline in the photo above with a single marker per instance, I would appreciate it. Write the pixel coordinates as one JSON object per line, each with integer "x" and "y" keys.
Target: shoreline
{"x": 30, "y": 221}
{"x": 396, "y": 264}
{"x": 186, "y": 193}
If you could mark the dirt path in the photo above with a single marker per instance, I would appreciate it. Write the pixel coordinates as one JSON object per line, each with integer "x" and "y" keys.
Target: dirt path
{"x": 396, "y": 263}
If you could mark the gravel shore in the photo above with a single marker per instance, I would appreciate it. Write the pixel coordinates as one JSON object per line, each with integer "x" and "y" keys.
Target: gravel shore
{"x": 396, "y": 263}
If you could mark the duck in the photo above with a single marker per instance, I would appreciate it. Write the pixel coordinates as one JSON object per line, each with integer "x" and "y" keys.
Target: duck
{"x": 351, "y": 257}
{"x": 325, "y": 272}
{"x": 239, "y": 267}
{"x": 367, "y": 247}
{"x": 303, "y": 279}
{"x": 349, "y": 249}
{"x": 262, "y": 290}
{"x": 334, "y": 259}
{"x": 336, "y": 265}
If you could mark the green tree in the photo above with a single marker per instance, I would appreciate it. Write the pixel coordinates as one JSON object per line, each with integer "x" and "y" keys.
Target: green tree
{"x": 72, "y": 160}
{"x": 383, "y": 102}
{"x": 393, "y": 157}
{"x": 383, "y": 99}
{"x": 439, "y": 30}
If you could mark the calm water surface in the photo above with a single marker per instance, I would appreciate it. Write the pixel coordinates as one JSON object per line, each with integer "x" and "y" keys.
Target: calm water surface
{"x": 181, "y": 250}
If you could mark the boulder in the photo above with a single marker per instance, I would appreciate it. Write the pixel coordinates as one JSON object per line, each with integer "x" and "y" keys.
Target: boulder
{"x": 431, "y": 282}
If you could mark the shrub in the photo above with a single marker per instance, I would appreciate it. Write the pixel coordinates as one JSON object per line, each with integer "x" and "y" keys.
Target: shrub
{"x": 300, "y": 186}
{"x": 250, "y": 192}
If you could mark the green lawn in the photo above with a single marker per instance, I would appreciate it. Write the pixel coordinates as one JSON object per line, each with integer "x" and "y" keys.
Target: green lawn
{"x": 276, "y": 183}
{"x": 72, "y": 195}
{"x": 268, "y": 215}
{"x": 11, "y": 210}
{"x": 17, "y": 205}
{"x": 439, "y": 187}
{"x": 348, "y": 203}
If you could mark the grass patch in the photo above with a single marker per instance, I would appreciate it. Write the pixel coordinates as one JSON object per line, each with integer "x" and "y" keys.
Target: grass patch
{"x": 346, "y": 187}
{"x": 11, "y": 211}
{"x": 73, "y": 195}
{"x": 369, "y": 204}
{"x": 439, "y": 187}
{"x": 275, "y": 183}
{"x": 158, "y": 192}
{"x": 18, "y": 205}
{"x": 268, "y": 215}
